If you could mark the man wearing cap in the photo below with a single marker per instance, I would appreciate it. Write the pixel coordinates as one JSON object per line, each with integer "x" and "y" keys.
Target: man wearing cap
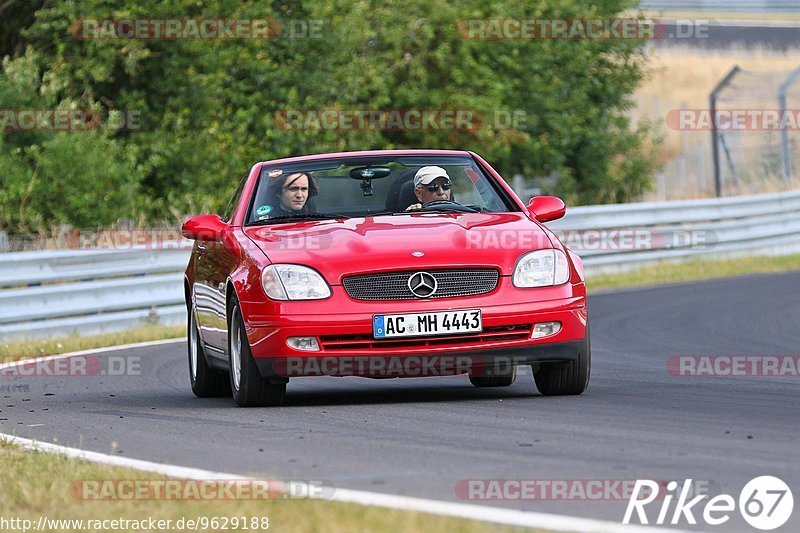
{"x": 430, "y": 184}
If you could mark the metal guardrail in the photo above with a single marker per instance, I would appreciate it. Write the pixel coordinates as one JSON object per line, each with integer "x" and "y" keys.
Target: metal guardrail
{"x": 767, "y": 224}
{"x": 722, "y": 6}
{"x": 60, "y": 292}
{"x": 56, "y": 266}
{"x": 54, "y": 293}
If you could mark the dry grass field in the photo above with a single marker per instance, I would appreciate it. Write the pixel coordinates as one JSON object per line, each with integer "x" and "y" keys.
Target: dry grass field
{"x": 682, "y": 78}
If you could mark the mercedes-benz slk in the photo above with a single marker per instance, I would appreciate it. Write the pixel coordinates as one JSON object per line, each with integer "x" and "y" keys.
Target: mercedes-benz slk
{"x": 334, "y": 264}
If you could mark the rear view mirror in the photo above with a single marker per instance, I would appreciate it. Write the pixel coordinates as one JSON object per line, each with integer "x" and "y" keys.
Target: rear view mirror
{"x": 367, "y": 174}
{"x": 370, "y": 173}
{"x": 546, "y": 208}
{"x": 203, "y": 228}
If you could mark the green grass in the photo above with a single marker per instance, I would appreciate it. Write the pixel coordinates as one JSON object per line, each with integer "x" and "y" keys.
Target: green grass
{"x": 698, "y": 269}
{"x": 19, "y": 349}
{"x": 29, "y": 489}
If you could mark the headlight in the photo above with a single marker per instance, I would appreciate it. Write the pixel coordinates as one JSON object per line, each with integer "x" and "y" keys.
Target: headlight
{"x": 294, "y": 282}
{"x": 542, "y": 268}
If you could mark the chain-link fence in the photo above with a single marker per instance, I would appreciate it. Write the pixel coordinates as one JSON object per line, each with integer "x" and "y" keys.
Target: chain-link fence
{"x": 745, "y": 141}
{"x": 754, "y": 134}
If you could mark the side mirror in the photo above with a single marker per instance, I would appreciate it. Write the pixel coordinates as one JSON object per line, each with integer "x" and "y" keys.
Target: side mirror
{"x": 547, "y": 208}
{"x": 203, "y": 228}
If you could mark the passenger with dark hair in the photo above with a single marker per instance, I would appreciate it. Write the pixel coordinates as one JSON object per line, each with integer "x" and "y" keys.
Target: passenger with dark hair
{"x": 289, "y": 194}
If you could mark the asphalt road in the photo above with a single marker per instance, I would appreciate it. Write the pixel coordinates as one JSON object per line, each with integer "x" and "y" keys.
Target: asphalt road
{"x": 728, "y": 34}
{"x": 421, "y": 436}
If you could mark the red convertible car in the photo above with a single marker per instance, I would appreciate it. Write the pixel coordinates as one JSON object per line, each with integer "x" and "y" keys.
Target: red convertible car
{"x": 392, "y": 263}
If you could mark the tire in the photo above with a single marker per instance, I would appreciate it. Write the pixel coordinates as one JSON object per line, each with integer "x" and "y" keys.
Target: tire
{"x": 497, "y": 378}
{"x": 561, "y": 379}
{"x": 206, "y": 382}
{"x": 249, "y": 389}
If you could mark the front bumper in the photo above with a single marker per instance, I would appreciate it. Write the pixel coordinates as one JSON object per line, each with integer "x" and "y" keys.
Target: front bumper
{"x": 347, "y": 346}
{"x": 474, "y": 362}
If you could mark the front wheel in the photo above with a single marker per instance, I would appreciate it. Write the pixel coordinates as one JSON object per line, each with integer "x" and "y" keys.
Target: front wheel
{"x": 561, "y": 379}
{"x": 206, "y": 382}
{"x": 248, "y": 387}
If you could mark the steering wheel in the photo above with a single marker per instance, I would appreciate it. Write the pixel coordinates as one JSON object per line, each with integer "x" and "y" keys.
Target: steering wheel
{"x": 449, "y": 205}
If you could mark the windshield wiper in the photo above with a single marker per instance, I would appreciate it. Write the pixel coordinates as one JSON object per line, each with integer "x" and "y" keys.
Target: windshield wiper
{"x": 385, "y": 213}
{"x": 447, "y": 210}
{"x": 298, "y": 218}
{"x": 440, "y": 210}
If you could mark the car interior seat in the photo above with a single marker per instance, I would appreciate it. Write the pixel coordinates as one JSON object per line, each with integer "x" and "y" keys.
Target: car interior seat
{"x": 400, "y": 190}
{"x": 407, "y": 196}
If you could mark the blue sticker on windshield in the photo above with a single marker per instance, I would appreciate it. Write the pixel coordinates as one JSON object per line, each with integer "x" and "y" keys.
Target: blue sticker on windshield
{"x": 263, "y": 211}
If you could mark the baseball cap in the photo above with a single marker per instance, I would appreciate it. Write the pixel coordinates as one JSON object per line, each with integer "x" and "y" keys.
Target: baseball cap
{"x": 425, "y": 175}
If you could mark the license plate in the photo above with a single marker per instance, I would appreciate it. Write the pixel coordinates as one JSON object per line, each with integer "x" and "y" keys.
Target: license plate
{"x": 421, "y": 324}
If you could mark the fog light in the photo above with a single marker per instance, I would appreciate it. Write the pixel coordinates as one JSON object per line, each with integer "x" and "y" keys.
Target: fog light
{"x": 545, "y": 329}
{"x": 307, "y": 344}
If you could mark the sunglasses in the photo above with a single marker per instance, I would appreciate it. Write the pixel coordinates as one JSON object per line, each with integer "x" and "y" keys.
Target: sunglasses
{"x": 446, "y": 186}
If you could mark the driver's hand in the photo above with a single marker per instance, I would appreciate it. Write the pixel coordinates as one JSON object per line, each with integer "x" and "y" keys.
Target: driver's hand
{"x": 414, "y": 207}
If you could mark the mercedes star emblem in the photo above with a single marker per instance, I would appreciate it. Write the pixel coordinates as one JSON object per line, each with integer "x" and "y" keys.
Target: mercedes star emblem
{"x": 422, "y": 285}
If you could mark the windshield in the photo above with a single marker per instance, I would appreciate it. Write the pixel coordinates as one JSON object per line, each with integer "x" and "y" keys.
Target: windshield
{"x": 369, "y": 186}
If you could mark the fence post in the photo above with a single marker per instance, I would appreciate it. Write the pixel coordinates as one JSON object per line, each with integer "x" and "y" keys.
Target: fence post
{"x": 786, "y": 156}
{"x": 714, "y": 133}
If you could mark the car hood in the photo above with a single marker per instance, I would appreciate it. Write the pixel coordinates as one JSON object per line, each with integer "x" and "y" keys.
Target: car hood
{"x": 401, "y": 242}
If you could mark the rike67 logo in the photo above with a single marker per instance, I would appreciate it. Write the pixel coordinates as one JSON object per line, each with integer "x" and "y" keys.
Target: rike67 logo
{"x": 766, "y": 503}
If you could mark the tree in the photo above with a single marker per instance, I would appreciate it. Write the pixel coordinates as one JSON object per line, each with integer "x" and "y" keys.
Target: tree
{"x": 208, "y": 110}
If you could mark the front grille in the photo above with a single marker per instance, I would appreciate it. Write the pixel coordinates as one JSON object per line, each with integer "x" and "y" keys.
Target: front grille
{"x": 516, "y": 332}
{"x": 394, "y": 285}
